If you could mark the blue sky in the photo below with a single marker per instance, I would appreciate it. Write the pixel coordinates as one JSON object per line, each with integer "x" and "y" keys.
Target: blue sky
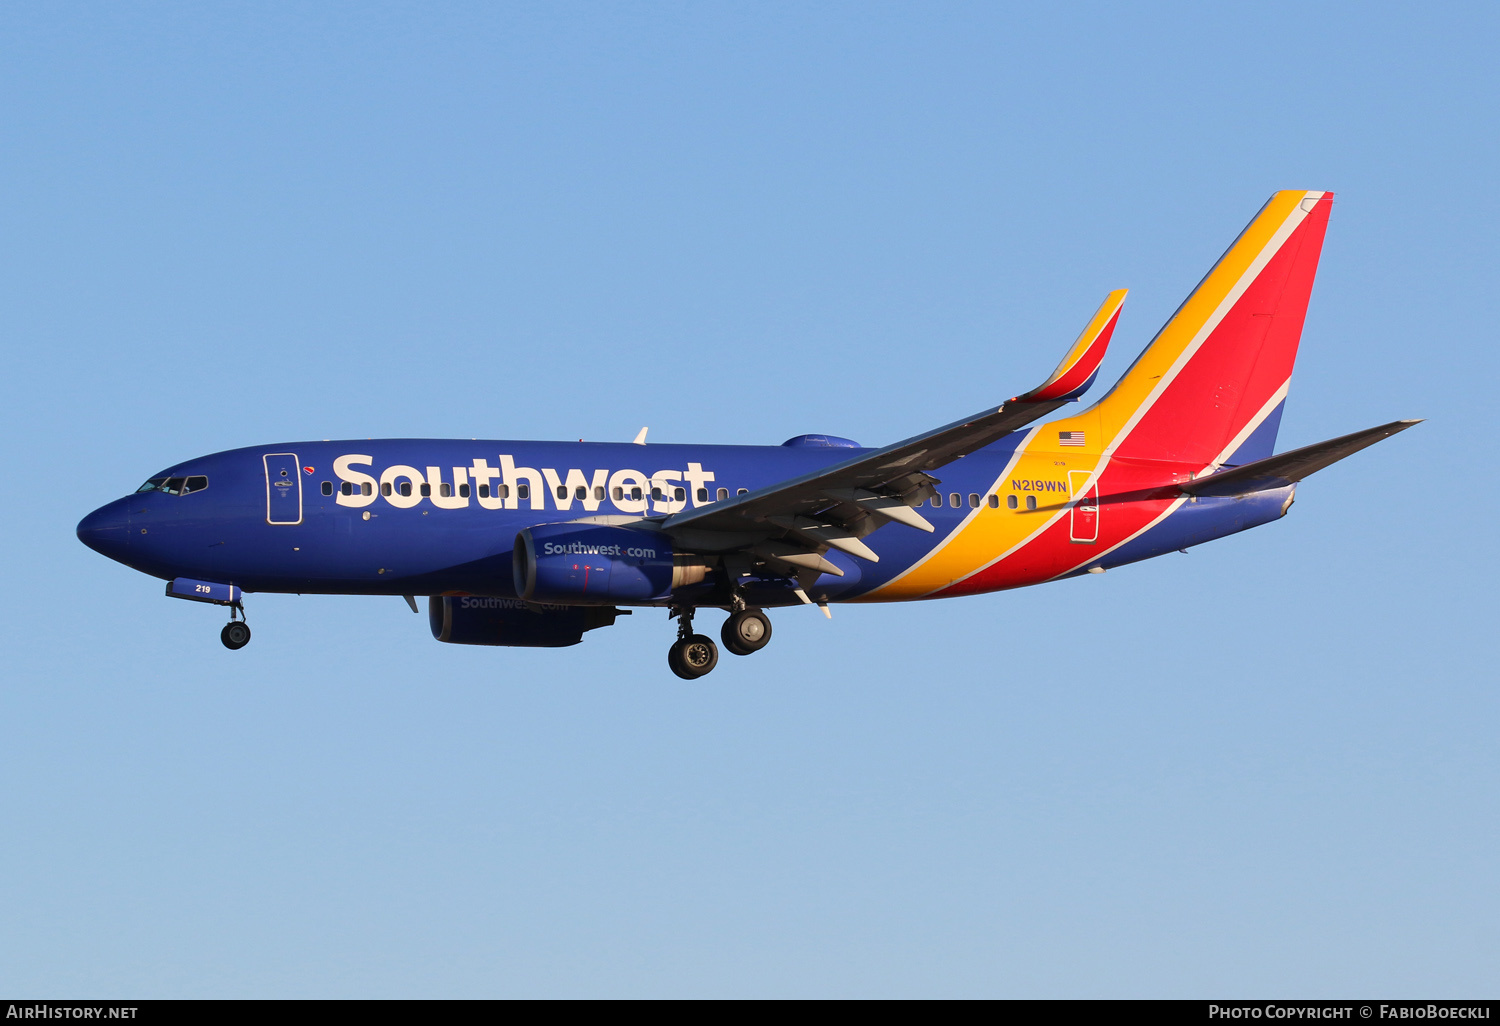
{"x": 1267, "y": 767}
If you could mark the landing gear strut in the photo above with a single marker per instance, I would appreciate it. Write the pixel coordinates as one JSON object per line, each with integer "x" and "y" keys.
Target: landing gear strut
{"x": 691, "y": 655}
{"x": 746, "y": 631}
{"x": 236, "y": 633}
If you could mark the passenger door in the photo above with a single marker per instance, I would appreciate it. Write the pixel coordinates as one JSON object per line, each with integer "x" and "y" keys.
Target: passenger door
{"x": 283, "y": 488}
{"x": 1084, "y": 516}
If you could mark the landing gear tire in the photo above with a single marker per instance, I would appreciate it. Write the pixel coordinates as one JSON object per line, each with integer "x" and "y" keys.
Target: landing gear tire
{"x": 746, "y": 631}
{"x": 235, "y": 635}
{"x": 693, "y": 656}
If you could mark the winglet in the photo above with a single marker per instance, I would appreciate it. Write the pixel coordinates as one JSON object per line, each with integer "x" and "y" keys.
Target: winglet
{"x": 1079, "y": 368}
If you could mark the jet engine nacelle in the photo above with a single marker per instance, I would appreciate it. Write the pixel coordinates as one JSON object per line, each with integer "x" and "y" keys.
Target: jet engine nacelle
{"x": 596, "y": 564}
{"x": 480, "y": 620}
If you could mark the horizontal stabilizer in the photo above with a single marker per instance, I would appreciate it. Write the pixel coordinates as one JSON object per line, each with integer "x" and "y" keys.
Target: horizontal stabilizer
{"x": 1288, "y": 467}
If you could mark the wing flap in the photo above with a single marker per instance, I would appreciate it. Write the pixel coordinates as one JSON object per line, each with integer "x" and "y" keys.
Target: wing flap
{"x": 886, "y": 507}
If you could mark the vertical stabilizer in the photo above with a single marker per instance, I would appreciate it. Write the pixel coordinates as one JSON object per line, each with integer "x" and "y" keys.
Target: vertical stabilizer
{"x": 1209, "y": 387}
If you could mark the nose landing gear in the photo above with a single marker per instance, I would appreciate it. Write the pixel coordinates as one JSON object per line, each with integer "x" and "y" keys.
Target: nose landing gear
{"x": 236, "y": 633}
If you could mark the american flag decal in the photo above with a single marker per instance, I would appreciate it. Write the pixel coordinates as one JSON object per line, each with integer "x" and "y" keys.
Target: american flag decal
{"x": 1070, "y": 438}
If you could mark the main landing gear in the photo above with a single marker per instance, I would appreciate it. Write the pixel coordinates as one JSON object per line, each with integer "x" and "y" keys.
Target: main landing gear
{"x": 236, "y": 633}
{"x": 694, "y": 655}
{"x": 691, "y": 655}
{"x": 746, "y": 631}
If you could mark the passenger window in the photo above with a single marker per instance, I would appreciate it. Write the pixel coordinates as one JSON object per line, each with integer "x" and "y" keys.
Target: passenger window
{"x": 385, "y": 488}
{"x": 367, "y": 488}
{"x": 484, "y": 491}
{"x": 635, "y": 493}
{"x": 426, "y": 490}
{"x": 347, "y": 488}
{"x": 599, "y": 492}
{"x": 406, "y": 488}
{"x": 723, "y": 494}
{"x": 197, "y": 484}
{"x": 702, "y": 494}
{"x": 619, "y": 493}
{"x": 463, "y": 491}
{"x": 445, "y": 490}
{"x": 503, "y": 491}
{"x": 656, "y": 494}
{"x": 973, "y": 500}
{"x": 1010, "y": 502}
{"x": 523, "y": 491}
{"x": 1031, "y": 502}
{"x": 994, "y": 502}
{"x": 327, "y": 487}
{"x": 937, "y": 502}
{"x": 680, "y": 494}
{"x": 742, "y": 491}
{"x": 580, "y": 492}
{"x": 953, "y": 499}
{"x": 562, "y": 491}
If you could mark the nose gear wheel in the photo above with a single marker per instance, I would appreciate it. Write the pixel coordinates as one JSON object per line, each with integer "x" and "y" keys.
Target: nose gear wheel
{"x": 235, "y": 635}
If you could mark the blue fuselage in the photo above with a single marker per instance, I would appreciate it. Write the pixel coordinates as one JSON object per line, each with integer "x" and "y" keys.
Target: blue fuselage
{"x": 434, "y": 516}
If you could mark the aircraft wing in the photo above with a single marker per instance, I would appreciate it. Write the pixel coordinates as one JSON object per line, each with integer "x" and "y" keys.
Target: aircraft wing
{"x": 1287, "y": 467}
{"x": 839, "y": 504}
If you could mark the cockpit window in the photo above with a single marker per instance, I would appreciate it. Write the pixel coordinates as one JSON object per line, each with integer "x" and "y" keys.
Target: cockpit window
{"x": 174, "y": 485}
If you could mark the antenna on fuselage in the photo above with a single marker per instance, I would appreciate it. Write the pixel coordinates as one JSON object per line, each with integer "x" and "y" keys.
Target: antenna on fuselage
{"x": 640, "y": 436}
